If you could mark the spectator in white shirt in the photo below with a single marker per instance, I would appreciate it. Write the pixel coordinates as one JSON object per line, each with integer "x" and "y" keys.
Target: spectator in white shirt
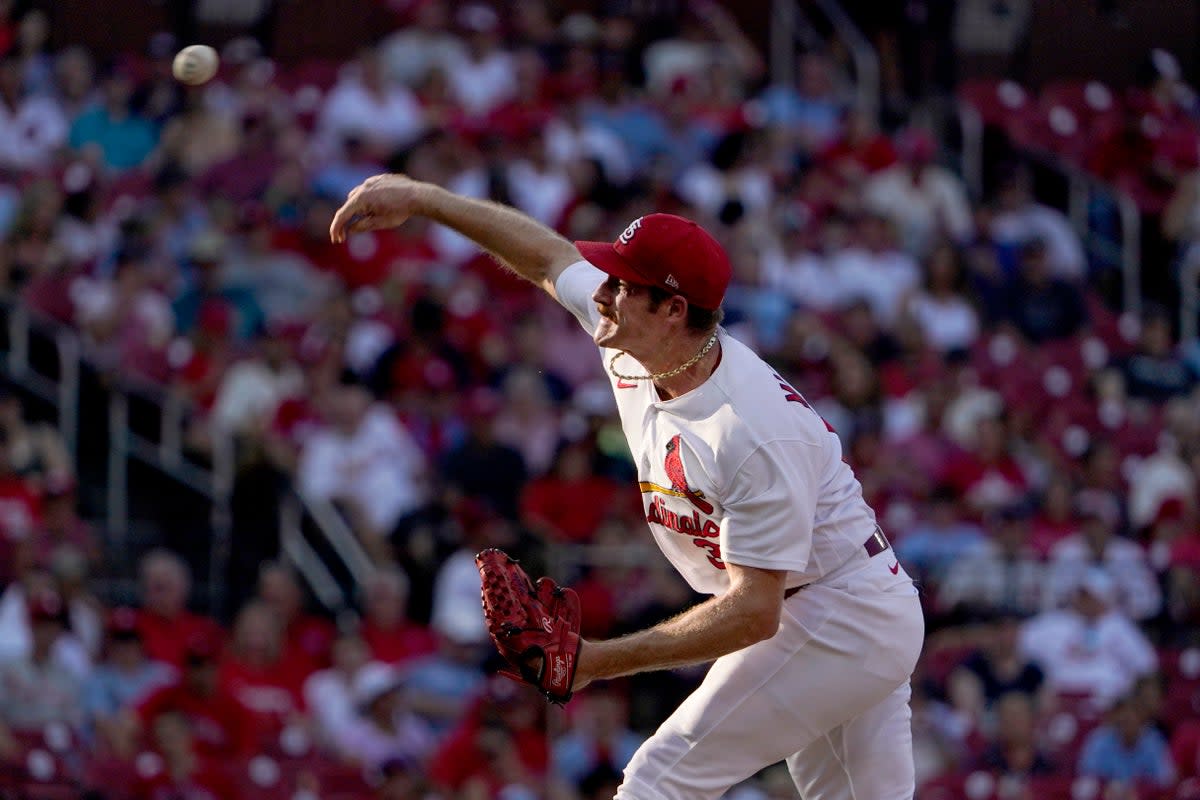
{"x": 485, "y": 78}
{"x": 366, "y": 460}
{"x": 1089, "y": 648}
{"x": 364, "y": 104}
{"x": 1020, "y": 218}
{"x": 412, "y": 52}
{"x": 329, "y": 693}
{"x": 800, "y": 270}
{"x": 252, "y": 389}
{"x": 32, "y": 128}
{"x": 875, "y": 269}
{"x": 383, "y": 726}
{"x": 1001, "y": 574}
{"x": 1097, "y": 547}
{"x": 538, "y": 186}
{"x": 940, "y": 308}
{"x": 924, "y": 200}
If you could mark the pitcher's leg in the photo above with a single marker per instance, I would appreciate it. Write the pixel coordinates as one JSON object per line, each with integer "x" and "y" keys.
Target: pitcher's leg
{"x": 868, "y": 757}
{"x": 753, "y": 709}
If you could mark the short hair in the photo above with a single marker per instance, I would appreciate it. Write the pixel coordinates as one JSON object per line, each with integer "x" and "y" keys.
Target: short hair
{"x": 161, "y": 557}
{"x": 699, "y": 319}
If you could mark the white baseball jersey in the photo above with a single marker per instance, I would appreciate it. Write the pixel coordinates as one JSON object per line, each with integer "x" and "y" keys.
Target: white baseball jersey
{"x": 740, "y": 469}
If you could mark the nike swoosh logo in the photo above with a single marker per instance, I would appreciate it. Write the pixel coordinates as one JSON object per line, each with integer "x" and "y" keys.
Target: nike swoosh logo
{"x": 895, "y": 568}
{"x": 623, "y": 385}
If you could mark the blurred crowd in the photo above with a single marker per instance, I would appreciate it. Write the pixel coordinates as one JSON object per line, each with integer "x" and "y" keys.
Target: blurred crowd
{"x": 1032, "y": 454}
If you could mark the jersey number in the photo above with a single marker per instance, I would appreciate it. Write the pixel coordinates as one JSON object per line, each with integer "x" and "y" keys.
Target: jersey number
{"x": 714, "y": 551}
{"x": 792, "y": 396}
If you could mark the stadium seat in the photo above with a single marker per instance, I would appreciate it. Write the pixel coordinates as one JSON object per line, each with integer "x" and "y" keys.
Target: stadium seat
{"x": 998, "y": 102}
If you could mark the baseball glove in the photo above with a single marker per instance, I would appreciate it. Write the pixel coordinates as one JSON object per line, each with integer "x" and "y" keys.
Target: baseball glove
{"x": 535, "y": 626}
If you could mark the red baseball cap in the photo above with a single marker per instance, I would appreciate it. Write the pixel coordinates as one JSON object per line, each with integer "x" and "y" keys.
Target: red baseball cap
{"x": 669, "y": 252}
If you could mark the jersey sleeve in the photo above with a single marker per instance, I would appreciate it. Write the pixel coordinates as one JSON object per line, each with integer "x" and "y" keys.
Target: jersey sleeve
{"x": 574, "y": 287}
{"x": 770, "y": 507}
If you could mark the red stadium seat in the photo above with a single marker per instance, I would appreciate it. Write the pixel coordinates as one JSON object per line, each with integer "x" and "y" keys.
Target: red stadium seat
{"x": 999, "y": 103}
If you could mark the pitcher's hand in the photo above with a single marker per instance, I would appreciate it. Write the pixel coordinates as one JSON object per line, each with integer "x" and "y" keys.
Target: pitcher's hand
{"x": 383, "y": 201}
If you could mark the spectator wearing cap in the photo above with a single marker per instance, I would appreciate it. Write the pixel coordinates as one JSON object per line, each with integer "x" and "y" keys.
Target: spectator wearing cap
{"x": 32, "y": 127}
{"x": 364, "y": 459}
{"x": 1004, "y": 574}
{"x": 390, "y": 636}
{"x": 384, "y": 726}
{"x": 925, "y": 201}
{"x": 39, "y": 689}
{"x": 220, "y": 726}
{"x": 119, "y": 138}
{"x": 1089, "y": 648}
{"x": 307, "y": 638}
{"x": 1097, "y": 547}
{"x": 1127, "y": 748}
{"x": 123, "y": 679}
{"x": 167, "y": 627}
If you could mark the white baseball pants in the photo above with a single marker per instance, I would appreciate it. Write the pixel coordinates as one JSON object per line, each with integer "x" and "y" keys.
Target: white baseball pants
{"x": 828, "y": 693}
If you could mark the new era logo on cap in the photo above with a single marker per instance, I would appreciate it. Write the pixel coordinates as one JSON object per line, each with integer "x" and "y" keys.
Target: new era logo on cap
{"x": 667, "y": 251}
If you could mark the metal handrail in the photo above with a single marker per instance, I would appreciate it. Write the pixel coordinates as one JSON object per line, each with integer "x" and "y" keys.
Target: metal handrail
{"x": 339, "y": 535}
{"x": 790, "y": 26}
{"x": 1080, "y": 188}
{"x": 866, "y": 61}
{"x": 1189, "y": 295}
{"x": 296, "y": 549}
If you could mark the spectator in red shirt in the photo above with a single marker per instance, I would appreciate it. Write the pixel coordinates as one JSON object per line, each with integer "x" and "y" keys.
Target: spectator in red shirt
{"x": 258, "y": 676}
{"x": 181, "y": 768}
{"x": 164, "y": 622}
{"x": 499, "y": 745}
{"x": 391, "y": 636}
{"x": 861, "y": 150}
{"x": 307, "y": 639}
{"x": 571, "y": 502}
{"x": 988, "y": 477}
{"x": 219, "y": 726}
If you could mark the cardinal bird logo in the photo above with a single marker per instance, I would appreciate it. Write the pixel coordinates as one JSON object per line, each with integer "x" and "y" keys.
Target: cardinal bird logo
{"x": 679, "y": 484}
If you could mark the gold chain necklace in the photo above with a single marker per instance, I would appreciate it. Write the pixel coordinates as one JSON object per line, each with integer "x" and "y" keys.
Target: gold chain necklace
{"x": 659, "y": 376}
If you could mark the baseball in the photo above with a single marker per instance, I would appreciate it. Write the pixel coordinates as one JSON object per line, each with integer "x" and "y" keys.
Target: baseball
{"x": 195, "y": 64}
